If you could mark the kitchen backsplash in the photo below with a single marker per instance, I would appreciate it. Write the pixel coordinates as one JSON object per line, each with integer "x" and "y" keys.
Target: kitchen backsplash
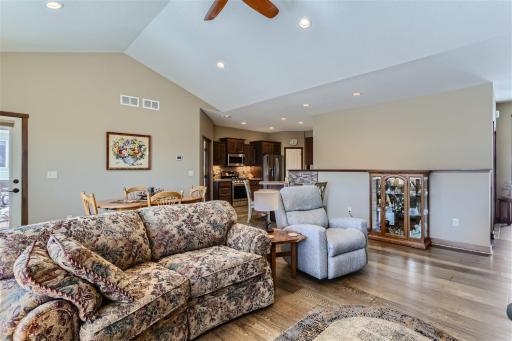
{"x": 244, "y": 171}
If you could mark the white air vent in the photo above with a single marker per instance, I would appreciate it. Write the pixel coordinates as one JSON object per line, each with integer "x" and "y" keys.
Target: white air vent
{"x": 129, "y": 101}
{"x": 150, "y": 104}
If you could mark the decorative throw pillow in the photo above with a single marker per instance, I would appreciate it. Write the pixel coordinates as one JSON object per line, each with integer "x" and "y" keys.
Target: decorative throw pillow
{"x": 84, "y": 263}
{"x": 36, "y": 272}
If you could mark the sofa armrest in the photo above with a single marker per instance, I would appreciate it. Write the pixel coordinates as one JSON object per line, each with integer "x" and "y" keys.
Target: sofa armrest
{"x": 248, "y": 239}
{"x": 54, "y": 320}
{"x": 349, "y": 222}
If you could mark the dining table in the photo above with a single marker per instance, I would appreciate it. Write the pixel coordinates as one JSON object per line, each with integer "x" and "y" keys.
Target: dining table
{"x": 125, "y": 205}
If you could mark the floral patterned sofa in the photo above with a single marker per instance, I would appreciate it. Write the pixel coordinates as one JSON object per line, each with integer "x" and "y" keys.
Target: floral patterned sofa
{"x": 191, "y": 268}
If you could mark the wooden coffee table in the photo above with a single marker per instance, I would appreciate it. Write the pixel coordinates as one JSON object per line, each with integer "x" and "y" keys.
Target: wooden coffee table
{"x": 280, "y": 237}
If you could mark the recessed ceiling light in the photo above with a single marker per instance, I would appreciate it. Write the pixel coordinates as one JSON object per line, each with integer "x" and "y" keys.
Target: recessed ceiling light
{"x": 271, "y": 128}
{"x": 283, "y": 118}
{"x": 304, "y": 23}
{"x": 220, "y": 65}
{"x": 355, "y": 94}
{"x": 306, "y": 105}
{"x": 300, "y": 122}
{"x": 244, "y": 123}
{"x": 54, "y": 5}
{"x": 226, "y": 116}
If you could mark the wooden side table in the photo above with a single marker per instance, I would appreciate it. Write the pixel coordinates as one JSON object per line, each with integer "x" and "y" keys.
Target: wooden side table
{"x": 280, "y": 237}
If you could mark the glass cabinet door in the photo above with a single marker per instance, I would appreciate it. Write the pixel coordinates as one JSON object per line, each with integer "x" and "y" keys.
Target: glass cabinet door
{"x": 415, "y": 210}
{"x": 425, "y": 208}
{"x": 376, "y": 203}
{"x": 394, "y": 207}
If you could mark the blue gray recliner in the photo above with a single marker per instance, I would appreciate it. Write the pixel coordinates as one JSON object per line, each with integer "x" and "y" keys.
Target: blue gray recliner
{"x": 333, "y": 247}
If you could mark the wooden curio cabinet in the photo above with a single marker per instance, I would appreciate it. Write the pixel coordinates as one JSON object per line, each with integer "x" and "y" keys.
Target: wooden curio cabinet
{"x": 399, "y": 208}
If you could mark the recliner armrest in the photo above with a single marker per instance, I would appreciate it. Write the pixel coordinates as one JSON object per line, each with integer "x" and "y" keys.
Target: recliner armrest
{"x": 248, "y": 239}
{"x": 349, "y": 222}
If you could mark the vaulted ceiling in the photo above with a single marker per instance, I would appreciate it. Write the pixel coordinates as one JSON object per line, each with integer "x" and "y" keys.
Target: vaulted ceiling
{"x": 386, "y": 50}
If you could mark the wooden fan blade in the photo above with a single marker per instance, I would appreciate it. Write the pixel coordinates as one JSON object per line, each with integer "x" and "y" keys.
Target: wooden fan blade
{"x": 265, "y": 7}
{"x": 215, "y": 9}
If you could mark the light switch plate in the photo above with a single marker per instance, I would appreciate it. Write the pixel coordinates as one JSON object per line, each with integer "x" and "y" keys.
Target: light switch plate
{"x": 190, "y": 173}
{"x": 51, "y": 175}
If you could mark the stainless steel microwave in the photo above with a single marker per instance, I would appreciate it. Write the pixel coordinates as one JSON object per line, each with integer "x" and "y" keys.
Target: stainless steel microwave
{"x": 236, "y": 159}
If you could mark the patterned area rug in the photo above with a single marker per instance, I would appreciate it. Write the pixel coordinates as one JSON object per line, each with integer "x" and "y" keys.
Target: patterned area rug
{"x": 365, "y": 323}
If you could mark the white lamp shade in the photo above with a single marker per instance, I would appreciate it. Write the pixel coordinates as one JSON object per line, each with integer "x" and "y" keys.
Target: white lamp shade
{"x": 266, "y": 200}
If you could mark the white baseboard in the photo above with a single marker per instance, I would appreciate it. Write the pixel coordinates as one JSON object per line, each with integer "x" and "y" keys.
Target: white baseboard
{"x": 484, "y": 250}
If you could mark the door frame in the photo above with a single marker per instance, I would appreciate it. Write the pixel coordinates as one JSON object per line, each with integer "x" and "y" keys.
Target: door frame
{"x": 207, "y": 165}
{"x": 301, "y": 158}
{"x": 24, "y": 162}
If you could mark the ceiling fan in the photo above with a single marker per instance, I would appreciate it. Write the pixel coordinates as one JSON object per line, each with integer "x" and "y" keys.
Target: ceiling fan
{"x": 264, "y": 7}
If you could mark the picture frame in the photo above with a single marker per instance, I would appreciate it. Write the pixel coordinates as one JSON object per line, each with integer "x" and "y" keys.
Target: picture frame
{"x": 126, "y": 151}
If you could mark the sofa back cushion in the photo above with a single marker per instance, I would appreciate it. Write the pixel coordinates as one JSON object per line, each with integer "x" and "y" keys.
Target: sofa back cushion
{"x": 178, "y": 228}
{"x": 311, "y": 217}
{"x": 301, "y": 198}
{"x": 119, "y": 237}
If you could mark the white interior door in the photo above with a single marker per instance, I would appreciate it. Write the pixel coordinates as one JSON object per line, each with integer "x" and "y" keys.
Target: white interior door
{"x": 293, "y": 159}
{"x": 10, "y": 171}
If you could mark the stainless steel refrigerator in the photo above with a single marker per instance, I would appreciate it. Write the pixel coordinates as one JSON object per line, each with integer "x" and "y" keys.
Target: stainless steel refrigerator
{"x": 272, "y": 168}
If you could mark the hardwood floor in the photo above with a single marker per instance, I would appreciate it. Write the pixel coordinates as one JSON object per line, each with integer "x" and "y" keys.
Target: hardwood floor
{"x": 464, "y": 294}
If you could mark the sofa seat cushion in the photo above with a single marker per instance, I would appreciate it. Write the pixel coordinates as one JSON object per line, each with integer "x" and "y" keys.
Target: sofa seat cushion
{"x": 157, "y": 292}
{"x": 340, "y": 240}
{"x": 15, "y": 304}
{"x": 179, "y": 228}
{"x": 312, "y": 217}
{"x": 215, "y": 267}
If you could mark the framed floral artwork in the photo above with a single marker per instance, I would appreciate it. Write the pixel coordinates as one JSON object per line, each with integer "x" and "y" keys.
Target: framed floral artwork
{"x": 128, "y": 151}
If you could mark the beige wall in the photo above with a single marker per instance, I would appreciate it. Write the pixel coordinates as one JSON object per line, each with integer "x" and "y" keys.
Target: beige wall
{"x": 206, "y": 129}
{"x": 503, "y": 145}
{"x": 73, "y": 100}
{"x": 247, "y": 135}
{"x": 451, "y": 130}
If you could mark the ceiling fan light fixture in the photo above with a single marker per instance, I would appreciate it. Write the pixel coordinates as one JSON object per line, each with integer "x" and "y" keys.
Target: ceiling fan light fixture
{"x": 300, "y": 122}
{"x": 356, "y": 93}
{"x": 306, "y": 105}
{"x": 220, "y": 65}
{"x": 54, "y": 5}
{"x": 243, "y": 123}
{"x": 283, "y": 118}
{"x": 304, "y": 23}
{"x": 226, "y": 116}
{"x": 271, "y": 128}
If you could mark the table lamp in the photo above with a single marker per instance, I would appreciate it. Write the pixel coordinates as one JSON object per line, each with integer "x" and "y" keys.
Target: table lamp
{"x": 266, "y": 200}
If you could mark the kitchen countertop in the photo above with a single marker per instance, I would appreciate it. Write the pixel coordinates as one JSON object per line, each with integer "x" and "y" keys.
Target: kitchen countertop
{"x": 253, "y": 179}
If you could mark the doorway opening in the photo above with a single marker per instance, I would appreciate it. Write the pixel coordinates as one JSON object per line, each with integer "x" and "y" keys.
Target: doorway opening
{"x": 13, "y": 169}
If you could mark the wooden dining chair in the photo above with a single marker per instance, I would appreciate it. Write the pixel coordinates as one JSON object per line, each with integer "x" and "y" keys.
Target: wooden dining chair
{"x": 133, "y": 193}
{"x": 165, "y": 198}
{"x": 321, "y": 186}
{"x": 89, "y": 203}
{"x": 199, "y": 192}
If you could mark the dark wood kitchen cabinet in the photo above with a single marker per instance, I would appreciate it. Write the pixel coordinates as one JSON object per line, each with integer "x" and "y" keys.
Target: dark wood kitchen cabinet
{"x": 222, "y": 190}
{"x": 234, "y": 146}
{"x": 219, "y": 153}
{"x": 263, "y": 148}
{"x": 250, "y": 155}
